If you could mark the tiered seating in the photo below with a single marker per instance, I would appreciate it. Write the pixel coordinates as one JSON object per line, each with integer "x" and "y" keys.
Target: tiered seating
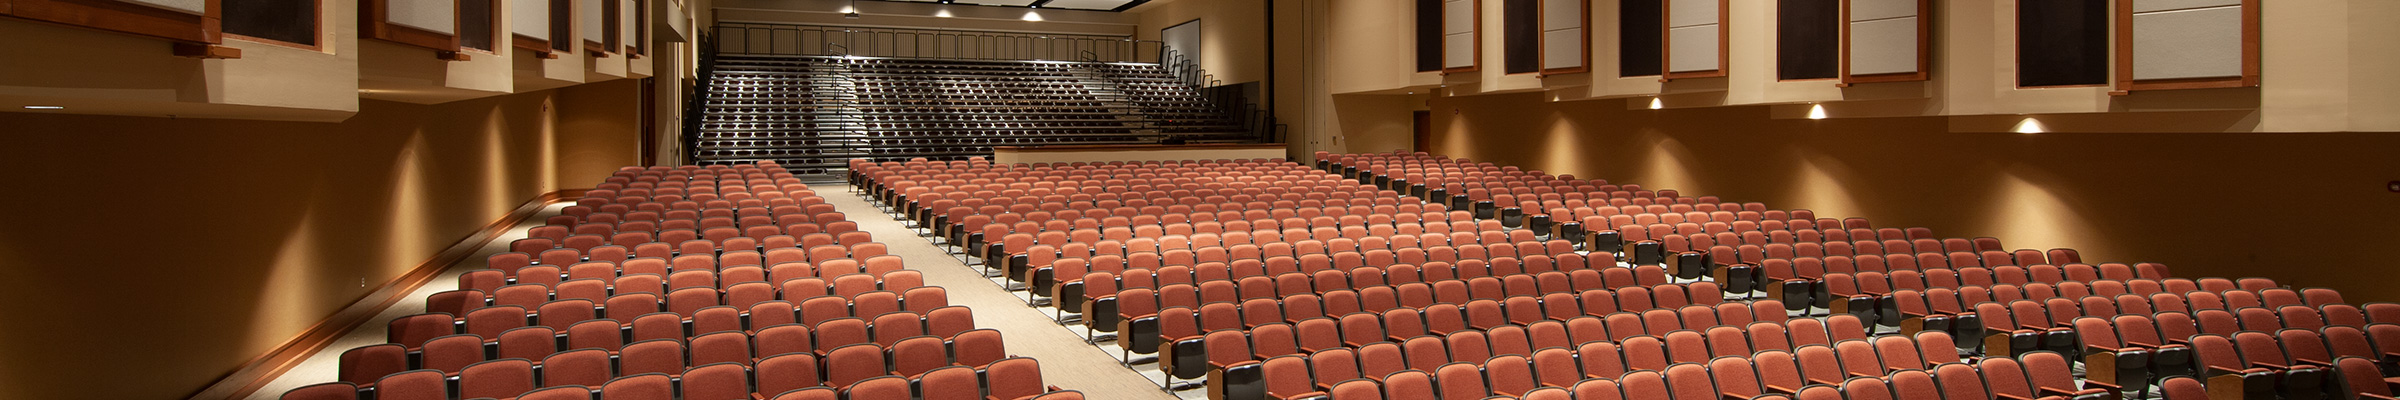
{"x": 689, "y": 283}
{"x": 1370, "y": 298}
{"x": 815, "y": 113}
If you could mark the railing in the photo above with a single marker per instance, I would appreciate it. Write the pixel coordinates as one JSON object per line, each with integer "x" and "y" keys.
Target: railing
{"x": 749, "y": 38}
{"x": 696, "y": 101}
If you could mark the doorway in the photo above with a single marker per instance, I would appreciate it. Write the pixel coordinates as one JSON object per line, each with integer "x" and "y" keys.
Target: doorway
{"x": 1424, "y": 130}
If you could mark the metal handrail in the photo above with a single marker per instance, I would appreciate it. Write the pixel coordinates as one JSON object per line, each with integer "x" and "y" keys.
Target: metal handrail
{"x": 751, "y": 38}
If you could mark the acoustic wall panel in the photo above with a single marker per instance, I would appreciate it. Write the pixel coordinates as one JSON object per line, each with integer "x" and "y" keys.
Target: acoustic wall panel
{"x": 2189, "y": 43}
{"x": 591, "y": 21}
{"x": 438, "y": 16}
{"x": 1521, "y": 36}
{"x": 2143, "y": 6}
{"x": 628, "y": 23}
{"x": 1693, "y": 49}
{"x": 1887, "y": 46}
{"x": 529, "y": 18}
{"x": 1458, "y": 34}
{"x": 1563, "y": 46}
{"x": 1641, "y": 40}
{"x": 1694, "y": 39}
{"x": 1808, "y": 39}
{"x": 1869, "y": 10}
{"x": 1429, "y": 35}
{"x": 2062, "y": 42}
{"x": 195, "y": 7}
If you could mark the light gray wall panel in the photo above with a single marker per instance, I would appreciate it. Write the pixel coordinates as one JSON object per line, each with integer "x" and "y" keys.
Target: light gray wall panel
{"x": 2200, "y": 43}
{"x": 530, "y": 18}
{"x": 2143, "y": 6}
{"x": 1562, "y": 48}
{"x": 1692, "y": 48}
{"x": 440, "y": 16}
{"x": 1883, "y": 46}
{"x": 182, "y": 6}
{"x": 1869, "y": 10}
{"x": 1684, "y": 13}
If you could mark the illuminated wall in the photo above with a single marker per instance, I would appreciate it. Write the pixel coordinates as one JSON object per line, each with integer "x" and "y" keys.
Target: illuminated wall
{"x": 148, "y": 257}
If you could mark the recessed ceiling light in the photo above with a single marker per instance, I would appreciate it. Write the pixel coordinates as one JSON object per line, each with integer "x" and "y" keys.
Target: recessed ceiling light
{"x": 45, "y": 108}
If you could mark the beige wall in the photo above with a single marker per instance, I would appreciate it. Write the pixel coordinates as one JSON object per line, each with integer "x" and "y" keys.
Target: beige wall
{"x": 1233, "y": 33}
{"x": 2305, "y": 209}
{"x": 152, "y": 256}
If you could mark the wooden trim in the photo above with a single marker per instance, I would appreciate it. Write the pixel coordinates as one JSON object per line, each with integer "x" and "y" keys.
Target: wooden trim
{"x": 499, "y": 28}
{"x": 1924, "y": 50}
{"x": 1582, "y": 64}
{"x": 1477, "y": 33}
{"x": 595, "y": 49}
{"x": 641, "y": 29}
{"x": 530, "y": 43}
{"x": 207, "y": 51}
{"x": 263, "y": 369}
{"x": 2126, "y": 84}
{"x": 114, "y": 16}
{"x": 2122, "y": 30}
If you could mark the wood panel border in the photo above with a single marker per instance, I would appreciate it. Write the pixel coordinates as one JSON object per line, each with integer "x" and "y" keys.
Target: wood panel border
{"x": 256, "y": 373}
{"x": 2125, "y": 84}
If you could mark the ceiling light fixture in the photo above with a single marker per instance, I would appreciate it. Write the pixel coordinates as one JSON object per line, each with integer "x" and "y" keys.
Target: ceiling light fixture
{"x": 45, "y": 107}
{"x": 851, "y": 12}
{"x": 1816, "y": 111}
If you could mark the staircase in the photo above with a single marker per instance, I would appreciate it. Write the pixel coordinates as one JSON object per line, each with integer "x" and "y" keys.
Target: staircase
{"x": 813, "y": 114}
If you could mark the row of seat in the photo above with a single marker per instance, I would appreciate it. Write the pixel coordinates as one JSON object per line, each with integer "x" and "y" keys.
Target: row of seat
{"x": 585, "y": 374}
{"x": 2102, "y": 335}
{"x": 832, "y": 324}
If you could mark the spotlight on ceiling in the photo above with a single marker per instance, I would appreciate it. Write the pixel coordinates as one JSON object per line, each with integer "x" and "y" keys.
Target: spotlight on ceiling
{"x": 45, "y": 108}
{"x": 851, "y": 12}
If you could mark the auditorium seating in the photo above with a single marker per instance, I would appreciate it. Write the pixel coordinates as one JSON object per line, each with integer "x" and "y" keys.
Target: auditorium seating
{"x": 1507, "y": 283}
{"x": 719, "y": 282}
{"x": 813, "y": 114}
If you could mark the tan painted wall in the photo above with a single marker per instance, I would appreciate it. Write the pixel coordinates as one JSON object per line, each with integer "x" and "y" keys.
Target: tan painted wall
{"x": 158, "y": 255}
{"x": 1232, "y": 34}
{"x": 2305, "y": 209}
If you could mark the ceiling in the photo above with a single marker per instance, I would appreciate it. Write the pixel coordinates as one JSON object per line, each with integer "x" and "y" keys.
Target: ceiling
{"x": 1093, "y": 5}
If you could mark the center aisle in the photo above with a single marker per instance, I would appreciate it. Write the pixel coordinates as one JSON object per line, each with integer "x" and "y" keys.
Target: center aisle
{"x": 1067, "y": 362}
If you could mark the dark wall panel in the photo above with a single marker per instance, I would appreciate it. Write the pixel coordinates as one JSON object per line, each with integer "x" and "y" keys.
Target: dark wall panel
{"x": 2062, "y": 42}
{"x": 1641, "y": 32}
{"x": 1808, "y": 39}
{"x": 1523, "y": 35}
{"x": 1429, "y": 35}
{"x": 292, "y": 21}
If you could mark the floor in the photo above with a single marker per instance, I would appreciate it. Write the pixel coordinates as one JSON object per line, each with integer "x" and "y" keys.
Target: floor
{"x": 1067, "y": 361}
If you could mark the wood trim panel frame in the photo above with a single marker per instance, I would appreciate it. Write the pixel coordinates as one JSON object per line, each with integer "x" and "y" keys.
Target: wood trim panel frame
{"x": 112, "y": 16}
{"x": 2125, "y": 84}
{"x": 263, "y": 369}
{"x": 1666, "y": 48}
{"x": 375, "y": 23}
{"x": 1541, "y": 42}
{"x": 317, "y": 31}
{"x": 1924, "y": 50}
{"x": 501, "y": 37}
{"x": 539, "y": 47}
{"x": 641, "y": 30}
{"x": 1478, "y": 40}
